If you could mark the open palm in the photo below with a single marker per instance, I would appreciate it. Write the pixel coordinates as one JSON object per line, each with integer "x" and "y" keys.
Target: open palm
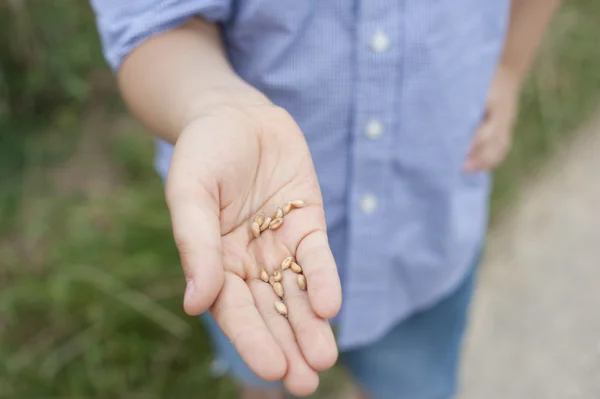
{"x": 228, "y": 166}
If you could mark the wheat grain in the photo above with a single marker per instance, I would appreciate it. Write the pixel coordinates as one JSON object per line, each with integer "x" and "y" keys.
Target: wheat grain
{"x": 265, "y": 224}
{"x": 301, "y": 280}
{"x": 281, "y": 308}
{"x": 255, "y": 229}
{"x": 275, "y": 223}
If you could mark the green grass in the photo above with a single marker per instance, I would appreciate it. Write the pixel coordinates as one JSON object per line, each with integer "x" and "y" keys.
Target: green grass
{"x": 90, "y": 285}
{"x": 561, "y": 93}
{"x": 90, "y": 298}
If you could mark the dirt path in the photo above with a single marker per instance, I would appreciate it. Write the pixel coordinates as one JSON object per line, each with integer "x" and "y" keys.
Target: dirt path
{"x": 536, "y": 318}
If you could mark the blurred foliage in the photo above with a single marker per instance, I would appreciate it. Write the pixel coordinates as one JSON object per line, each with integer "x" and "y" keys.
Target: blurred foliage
{"x": 90, "y": 287}
{"x": 562, "y": 91}
{"x": 48, "y": 50}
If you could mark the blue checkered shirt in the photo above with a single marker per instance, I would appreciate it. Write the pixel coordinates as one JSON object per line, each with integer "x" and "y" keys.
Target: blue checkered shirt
{"x": 388, "y": 94}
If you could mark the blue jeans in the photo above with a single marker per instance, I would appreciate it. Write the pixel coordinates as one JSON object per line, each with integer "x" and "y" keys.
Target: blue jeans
{"x": 417, "y": 359}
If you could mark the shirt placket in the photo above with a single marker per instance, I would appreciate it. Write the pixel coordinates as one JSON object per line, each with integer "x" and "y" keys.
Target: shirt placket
{"x": 377, "y": 56}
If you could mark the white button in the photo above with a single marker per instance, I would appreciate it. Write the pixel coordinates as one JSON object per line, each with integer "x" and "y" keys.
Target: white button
{"x": 380, "y": 42}
{"x": 374, "y": 129}
{"x": 368, "y": 204}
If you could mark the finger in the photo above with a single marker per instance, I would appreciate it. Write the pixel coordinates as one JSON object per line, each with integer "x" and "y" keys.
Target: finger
{"x": 492, "y": 155}
{"x": 196, "y": 229}
{"x": 492, "y": 151}
{"x": 314, "y": 334}
{"x": 324, "y": 287}
{"x": 300, "y": 379}
{"x": 482, "y": 137}
{"x": 303, "y": 236}
{"x": 236, "y": 313}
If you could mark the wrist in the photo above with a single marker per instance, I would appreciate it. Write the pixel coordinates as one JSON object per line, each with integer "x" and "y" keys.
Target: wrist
{"x": 223, "y": 101}
{"x": 510, "y": 78}
{"x": 245, "y": 109}
{"x": 220, "y": 100}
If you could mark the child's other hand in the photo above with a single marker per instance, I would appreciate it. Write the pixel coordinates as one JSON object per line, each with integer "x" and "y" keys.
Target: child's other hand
{"x": 228, "y": 165}
{"x": 494, "y": 136}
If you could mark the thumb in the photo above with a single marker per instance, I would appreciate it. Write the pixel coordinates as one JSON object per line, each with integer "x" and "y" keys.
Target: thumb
{"x": 196, "y": 229}
{"x": 472, "y": 163}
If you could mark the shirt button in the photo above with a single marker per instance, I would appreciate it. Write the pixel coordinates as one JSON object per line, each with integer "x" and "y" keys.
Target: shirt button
{"x": 368, "y": 203}
{"x": 374, "y": 129}
{"x": 380, "y": 42}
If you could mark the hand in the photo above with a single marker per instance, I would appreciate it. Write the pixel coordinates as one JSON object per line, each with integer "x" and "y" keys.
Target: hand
{"x": 493, "y": 139}
{"x": 228, "y": 165}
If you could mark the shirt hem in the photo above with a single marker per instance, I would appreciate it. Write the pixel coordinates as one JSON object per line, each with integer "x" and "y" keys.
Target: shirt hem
{"x": 448, "y": 288}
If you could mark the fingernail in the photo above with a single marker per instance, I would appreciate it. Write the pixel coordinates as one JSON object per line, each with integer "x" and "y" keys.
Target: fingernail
{"x": 189, "y": 290}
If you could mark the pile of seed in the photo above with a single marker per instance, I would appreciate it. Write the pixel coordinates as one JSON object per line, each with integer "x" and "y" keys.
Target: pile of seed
{"x": 261, "y": 223}
{"x": 277, "y": 276}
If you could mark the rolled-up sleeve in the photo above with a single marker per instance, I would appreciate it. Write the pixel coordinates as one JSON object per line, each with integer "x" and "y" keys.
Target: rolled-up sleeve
{"x": 124, "y": 24}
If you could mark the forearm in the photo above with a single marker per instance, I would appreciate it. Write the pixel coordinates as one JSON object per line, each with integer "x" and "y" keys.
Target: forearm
{"x": 528, "y": 22}
{"x": 174, "y": 77}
